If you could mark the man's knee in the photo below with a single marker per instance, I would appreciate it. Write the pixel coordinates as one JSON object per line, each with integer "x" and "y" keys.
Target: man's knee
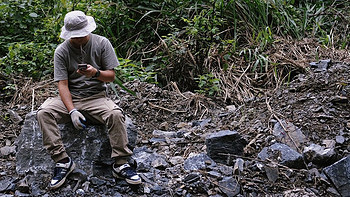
{"x": 45, "y": 109}
{"x": 41, "y": 113}
{"x": 118, "y": 114}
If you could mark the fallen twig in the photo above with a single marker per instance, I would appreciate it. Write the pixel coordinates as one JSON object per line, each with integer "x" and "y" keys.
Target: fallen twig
{"x": 46, "y": 83}
{"x": 285, "y": 129}
{"x": 167, "y": 144}
{"x": 163, "y": 108}
{"x": 281, "y": 123}
{"x": 177, "y": 89}
{"x": 33, "y": 96}
{"x": 147, "y": 180}
{"x": 76, "y": 185}
{"x": 226, "y": 188}
{"x": 259, "y": 160}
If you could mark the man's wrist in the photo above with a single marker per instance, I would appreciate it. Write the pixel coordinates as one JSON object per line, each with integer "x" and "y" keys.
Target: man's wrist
{"x": 97, "y": 74}
{"x": 73, "y": 110}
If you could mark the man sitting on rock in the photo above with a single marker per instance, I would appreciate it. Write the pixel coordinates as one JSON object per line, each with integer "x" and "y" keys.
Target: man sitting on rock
{"x": 82, "y": 65}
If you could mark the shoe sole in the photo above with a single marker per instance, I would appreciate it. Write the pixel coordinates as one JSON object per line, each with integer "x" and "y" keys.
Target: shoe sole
{"x": 59, "y": 184}
{"x": 132, "y": 182}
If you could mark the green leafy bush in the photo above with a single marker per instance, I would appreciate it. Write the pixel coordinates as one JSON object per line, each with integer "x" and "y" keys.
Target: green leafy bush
{"x": 208, "y": 84}
{"x": 29, "y": 37}
{"x": 130, "y": 71}
{"x": 31, "y": 59}
{"x": 163, "y": 41}
{"x": 18, "y": 20}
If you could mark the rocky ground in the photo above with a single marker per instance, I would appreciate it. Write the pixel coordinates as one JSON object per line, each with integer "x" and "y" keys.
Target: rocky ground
{"x": 316, "y": 104}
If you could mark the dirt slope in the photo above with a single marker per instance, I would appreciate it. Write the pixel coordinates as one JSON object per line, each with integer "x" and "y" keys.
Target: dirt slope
{"x": 317, "y": 102}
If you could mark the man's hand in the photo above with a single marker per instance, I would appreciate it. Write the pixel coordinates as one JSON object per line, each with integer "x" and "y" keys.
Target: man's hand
{"x": 89, "y": 72}
{"x": 77, "y": 117}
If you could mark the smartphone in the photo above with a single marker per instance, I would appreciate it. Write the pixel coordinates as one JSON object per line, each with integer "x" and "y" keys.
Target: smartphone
{"x": 82, "y": 66}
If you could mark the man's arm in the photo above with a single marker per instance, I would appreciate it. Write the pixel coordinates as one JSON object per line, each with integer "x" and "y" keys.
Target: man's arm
{"x": 65, "y": 94}
{"x": 105, "y": 75}
{"x": 66, "y": 97}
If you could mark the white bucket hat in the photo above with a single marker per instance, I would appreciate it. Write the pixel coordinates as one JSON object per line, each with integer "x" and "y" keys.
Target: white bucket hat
{"x": 77, "y": 24}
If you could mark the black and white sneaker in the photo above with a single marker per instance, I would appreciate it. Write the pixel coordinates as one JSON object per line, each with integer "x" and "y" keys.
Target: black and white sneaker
{"x": 61, "y": 171}
{"x": 126, "y": 172}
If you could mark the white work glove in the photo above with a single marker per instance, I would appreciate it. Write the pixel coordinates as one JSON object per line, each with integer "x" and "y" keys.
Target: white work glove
{"x": 77, "y": 117}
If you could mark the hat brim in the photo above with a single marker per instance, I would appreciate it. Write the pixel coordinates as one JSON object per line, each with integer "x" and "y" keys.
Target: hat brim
{"x": 65, "y": 34}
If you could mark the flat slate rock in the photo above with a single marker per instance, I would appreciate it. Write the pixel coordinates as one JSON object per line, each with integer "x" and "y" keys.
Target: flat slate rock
{"x": 339, "y": 174}
{"x": 224, "y": 143}
{"x": 283, "y": 154}
{"x": 89, "y": 148}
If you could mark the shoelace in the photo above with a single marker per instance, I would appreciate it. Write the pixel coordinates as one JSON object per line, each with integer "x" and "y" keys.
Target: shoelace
{"x": 59, "y": 172}
{"x": 129, "y": 171}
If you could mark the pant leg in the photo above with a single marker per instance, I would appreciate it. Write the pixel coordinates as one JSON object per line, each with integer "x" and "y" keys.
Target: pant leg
{"x": 51, "y": 113}
{"x": 107, "y": 112}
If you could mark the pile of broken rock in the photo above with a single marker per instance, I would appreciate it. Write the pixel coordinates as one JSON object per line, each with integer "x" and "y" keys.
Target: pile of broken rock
{"x": 245, "y": 150}
{"x": 218, "y": 172}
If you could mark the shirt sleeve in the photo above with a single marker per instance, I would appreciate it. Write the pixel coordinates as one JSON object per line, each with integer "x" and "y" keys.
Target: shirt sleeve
{"x": 109, "y": 58}
{"x": 60, "y": 70}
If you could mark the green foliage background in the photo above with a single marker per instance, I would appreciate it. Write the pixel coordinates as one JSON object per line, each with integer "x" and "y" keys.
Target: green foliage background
{"x": 162, "y": 41}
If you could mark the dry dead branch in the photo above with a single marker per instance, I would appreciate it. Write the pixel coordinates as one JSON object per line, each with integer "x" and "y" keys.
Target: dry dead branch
{"x": 163, "y": 108}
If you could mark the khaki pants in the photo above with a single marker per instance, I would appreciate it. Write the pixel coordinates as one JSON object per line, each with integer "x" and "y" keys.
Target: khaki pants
{"x": 97, "y": 108}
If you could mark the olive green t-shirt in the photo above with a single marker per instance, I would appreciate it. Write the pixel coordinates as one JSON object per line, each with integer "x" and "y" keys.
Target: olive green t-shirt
{"x": 98, "y": 52}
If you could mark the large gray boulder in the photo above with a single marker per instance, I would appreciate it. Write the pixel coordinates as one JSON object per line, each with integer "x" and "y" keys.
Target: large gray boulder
{"x": 319, "y": 154}
{"x": 222, "y": 144}
{"x": 283, "y": 154}
{"x": 229, "y": 186}
{"x": 198, "y": 162}
{"x": 89, "y": 148}
{"x": 339, "y": 174}
{"x": 292, "y": 136}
